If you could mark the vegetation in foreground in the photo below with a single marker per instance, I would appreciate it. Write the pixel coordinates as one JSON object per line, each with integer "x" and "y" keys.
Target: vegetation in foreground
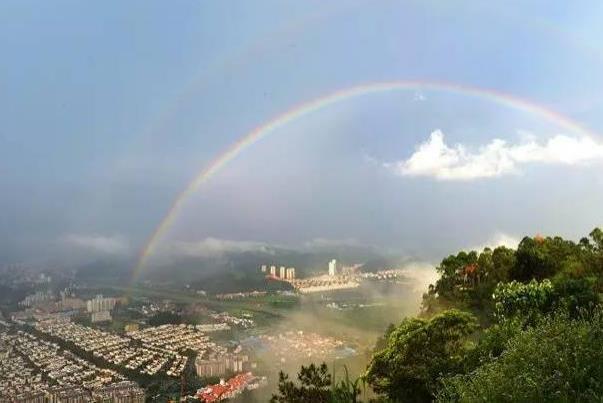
{"x": 502, "y": 325}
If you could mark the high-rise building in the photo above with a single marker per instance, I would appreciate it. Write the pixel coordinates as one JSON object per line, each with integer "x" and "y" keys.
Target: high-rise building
{"x": 282, "y": 272}
{"x": 99, "y": 303}
{"x": 263, "y": 268}
{"x": 219, "y": 365}
{"x": 273, "y": 271}
{"x": 290, "y": 274}
{"x": 333, "y": 267}
{"x": 74, "y": 394}
{"x": 40, "y": 297}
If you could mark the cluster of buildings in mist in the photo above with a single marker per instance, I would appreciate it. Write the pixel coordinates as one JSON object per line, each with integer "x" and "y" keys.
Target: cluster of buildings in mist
{"x": 150, "y": 351}
{"x": 99, "y": 308}
{"x": 34, "y": 370}
{"x": 283, "y": 273}
{"x": 336, "y": 277}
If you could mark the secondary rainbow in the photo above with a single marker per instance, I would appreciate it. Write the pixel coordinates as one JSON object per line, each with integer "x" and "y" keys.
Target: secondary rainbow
{"x": 306, "y": 108}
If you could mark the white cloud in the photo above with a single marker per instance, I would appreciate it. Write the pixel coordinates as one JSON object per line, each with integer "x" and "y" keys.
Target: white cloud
{"x": 498, "y": 239}
{"x": 419, "y": 96}
{"x": 436, "y": 159}
{"x": 321, "y": 243}
{"x": 111, "y": 245}
{"x": 215, "y": 247}
{"x": 422, "y": 274}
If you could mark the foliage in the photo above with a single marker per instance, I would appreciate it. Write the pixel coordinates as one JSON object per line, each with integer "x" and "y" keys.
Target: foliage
{"x": 316, "y": 385}
{"x": 575, "y": 295}
{"x": 346, "y": 390}
{"x": 418, "y": 353}
{"x": 381, "y": 342}
{"x": 533, "y": 299}
{"x": 164, "y": 318}
{"x": 492, "y": 342}
{"x": 541, "y": 340}
{"x": 468, "y": 279}
{"x": 515, "y": 298}
{"x": 559, "y": 360}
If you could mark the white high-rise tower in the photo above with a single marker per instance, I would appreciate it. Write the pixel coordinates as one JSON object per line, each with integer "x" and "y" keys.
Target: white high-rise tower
{"x": 333, "y": 267}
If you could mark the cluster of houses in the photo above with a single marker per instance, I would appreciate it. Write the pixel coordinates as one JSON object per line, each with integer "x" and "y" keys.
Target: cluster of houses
{"x": 35, "y": 370}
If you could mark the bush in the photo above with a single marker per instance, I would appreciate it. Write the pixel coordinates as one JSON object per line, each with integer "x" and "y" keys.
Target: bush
{"x": 418, "y": 353}
{"x": 526, "y": 300}
{"x": 559, "y": 360}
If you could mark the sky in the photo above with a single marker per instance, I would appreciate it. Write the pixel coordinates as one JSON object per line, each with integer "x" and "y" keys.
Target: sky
{"x": 108, "y": 111}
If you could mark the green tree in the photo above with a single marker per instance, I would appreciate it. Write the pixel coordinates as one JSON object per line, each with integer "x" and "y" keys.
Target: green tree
{"x": 575, "y": 295}
{"x": 531, "y": 261}
{"x": 381, "y": 342}
{"x": 503, "y": 260}
{"x": 526, "y": 300}
{"x": 597, "y": 236}
{"x": 418, "y": 353}
{"x": 559, "y": 360}
{"x": 165, "y": 317}
{"x": 314, "y": 386}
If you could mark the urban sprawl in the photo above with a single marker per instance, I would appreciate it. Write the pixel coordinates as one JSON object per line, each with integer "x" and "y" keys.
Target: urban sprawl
{"x": 60, "y": 347}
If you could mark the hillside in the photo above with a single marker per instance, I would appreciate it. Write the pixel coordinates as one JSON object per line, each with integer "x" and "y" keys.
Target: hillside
{"x": 505, "y": 325}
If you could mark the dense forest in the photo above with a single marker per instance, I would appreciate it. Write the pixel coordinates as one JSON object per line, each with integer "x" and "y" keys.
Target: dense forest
{"x": 499, "y": 325}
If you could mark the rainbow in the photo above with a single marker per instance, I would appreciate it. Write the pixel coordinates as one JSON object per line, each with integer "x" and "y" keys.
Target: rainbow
{"x": 309, "y": 107}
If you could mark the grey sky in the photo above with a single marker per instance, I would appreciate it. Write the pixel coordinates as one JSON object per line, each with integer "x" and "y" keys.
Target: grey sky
{"x": 108, "y": 110}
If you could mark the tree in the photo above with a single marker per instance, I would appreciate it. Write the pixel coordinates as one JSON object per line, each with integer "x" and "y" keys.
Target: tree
{"x": 381, "y": 342}
{"x": 559, "y": 360}
{"x": 418, "y": 353}
{"x": 449, "y": 287}
{"x": 597, "y": 236}
{"x": 503, "y": 260}
{"x": 575, "y": 294}
{"x": 315, "y": 386}
{"x": 526, "y": 300}
{"x": 597, "y": 251}
{"x": 531, "y": 262}
{"x": 165, "y": 317}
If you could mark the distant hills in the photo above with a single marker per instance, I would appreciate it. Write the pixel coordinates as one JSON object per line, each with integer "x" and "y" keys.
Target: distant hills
{"x": 236, "y": 270}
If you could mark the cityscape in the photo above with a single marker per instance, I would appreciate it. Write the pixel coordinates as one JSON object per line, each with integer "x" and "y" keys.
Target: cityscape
{"x": 79, "y": 345}
{"x": 301, "y": 201}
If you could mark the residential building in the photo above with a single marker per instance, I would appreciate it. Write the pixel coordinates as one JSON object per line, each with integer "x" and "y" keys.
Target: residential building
{"x": 219, "y": 365}
{"x": 99, "y": 303}
{"x": 122, "y": 392}
{"x": 102, "y": 316}
{"x": 333, "y": 267}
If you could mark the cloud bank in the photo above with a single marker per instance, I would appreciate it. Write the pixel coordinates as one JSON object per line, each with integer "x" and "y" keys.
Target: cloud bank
{"x": 215, "y": 247}
{"x": 422, "y": 274}
{"x": 498, "y": 239}
{"x": 434, "y": 158}
{"x": 110, "y": 245}
{"x": 325, "y": 243}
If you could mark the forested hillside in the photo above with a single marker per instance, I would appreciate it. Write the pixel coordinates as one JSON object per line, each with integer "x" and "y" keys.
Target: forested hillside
{"x": 500, "y": 325}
